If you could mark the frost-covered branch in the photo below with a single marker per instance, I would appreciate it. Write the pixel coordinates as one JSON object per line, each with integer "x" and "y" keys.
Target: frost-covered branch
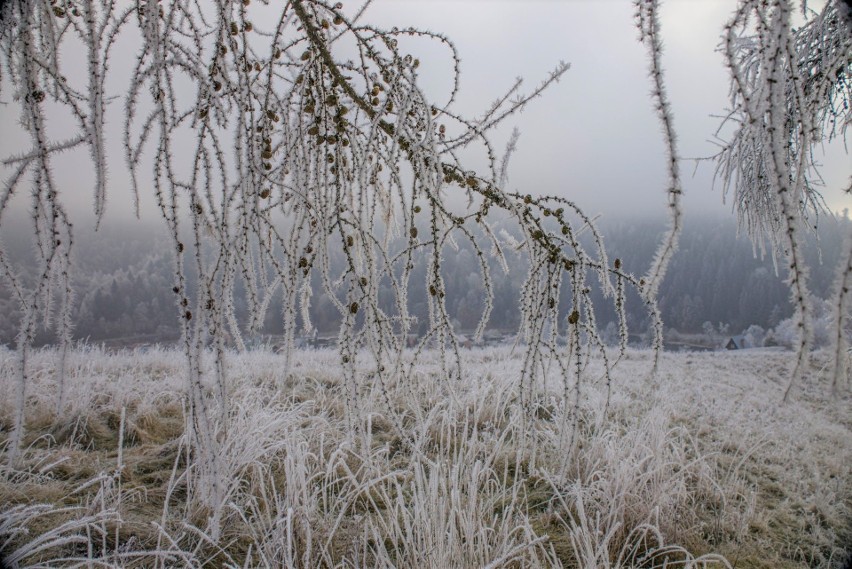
{"x": 273, "y": 146}
{"x": 790, "y": 91}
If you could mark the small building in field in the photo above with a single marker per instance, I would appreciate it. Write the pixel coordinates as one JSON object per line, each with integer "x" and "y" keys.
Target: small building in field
{"x": 736, "y": 343}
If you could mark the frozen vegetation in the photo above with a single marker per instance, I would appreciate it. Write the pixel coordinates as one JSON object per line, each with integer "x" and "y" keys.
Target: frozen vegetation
{"x": 301, "y": 163}
{"x": 700, "y": 465}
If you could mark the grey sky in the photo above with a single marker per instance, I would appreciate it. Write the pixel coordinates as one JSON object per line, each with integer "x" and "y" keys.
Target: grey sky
{"x": 592, "y": 138}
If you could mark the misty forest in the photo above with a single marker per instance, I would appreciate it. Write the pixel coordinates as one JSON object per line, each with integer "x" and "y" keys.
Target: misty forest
{"x": 341, "y": 331}
{"x": 715, "y": 289}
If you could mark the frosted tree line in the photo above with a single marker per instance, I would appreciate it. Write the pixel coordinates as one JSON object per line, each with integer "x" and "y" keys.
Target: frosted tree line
{"x": 310, "y": 133}
{"x": 124, "y": 292}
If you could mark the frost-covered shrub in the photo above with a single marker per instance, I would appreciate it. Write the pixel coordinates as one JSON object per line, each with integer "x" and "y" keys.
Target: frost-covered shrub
{"x": 754, "y": 336}
{"x": 824, "y": 326}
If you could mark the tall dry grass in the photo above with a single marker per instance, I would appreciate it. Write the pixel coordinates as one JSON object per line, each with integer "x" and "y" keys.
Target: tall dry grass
{"x": 698, "y": 466}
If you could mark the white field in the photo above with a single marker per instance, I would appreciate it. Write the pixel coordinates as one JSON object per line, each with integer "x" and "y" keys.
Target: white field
{"x": 700, "y": 464}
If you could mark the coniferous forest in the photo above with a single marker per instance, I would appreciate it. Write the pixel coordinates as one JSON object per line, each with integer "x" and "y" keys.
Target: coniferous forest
{"x": 717, "y": 278}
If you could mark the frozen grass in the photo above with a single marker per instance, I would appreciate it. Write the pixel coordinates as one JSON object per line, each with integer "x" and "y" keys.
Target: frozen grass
{"x": 700, "y": 466}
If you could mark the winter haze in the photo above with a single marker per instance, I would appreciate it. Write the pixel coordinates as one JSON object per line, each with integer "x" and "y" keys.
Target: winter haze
{"x": 592, "y": 138}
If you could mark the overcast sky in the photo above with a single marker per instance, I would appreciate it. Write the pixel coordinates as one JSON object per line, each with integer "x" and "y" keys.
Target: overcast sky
{"x": 593, "y": 137}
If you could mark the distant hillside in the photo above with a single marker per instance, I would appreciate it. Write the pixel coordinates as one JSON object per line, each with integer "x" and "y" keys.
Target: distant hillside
{"x": 124, "y": 280}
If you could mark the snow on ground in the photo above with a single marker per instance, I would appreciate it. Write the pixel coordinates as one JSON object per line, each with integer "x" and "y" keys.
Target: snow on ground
{"x": 701, "y": 458}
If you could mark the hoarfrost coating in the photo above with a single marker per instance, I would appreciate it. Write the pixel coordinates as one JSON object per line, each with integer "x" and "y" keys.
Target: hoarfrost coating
{"x": 312, "y": 128}
{"x": 700, "y": 458}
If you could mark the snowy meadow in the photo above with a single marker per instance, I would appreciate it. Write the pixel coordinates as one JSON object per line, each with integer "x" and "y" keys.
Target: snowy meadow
{"x": 699, "y": 465}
